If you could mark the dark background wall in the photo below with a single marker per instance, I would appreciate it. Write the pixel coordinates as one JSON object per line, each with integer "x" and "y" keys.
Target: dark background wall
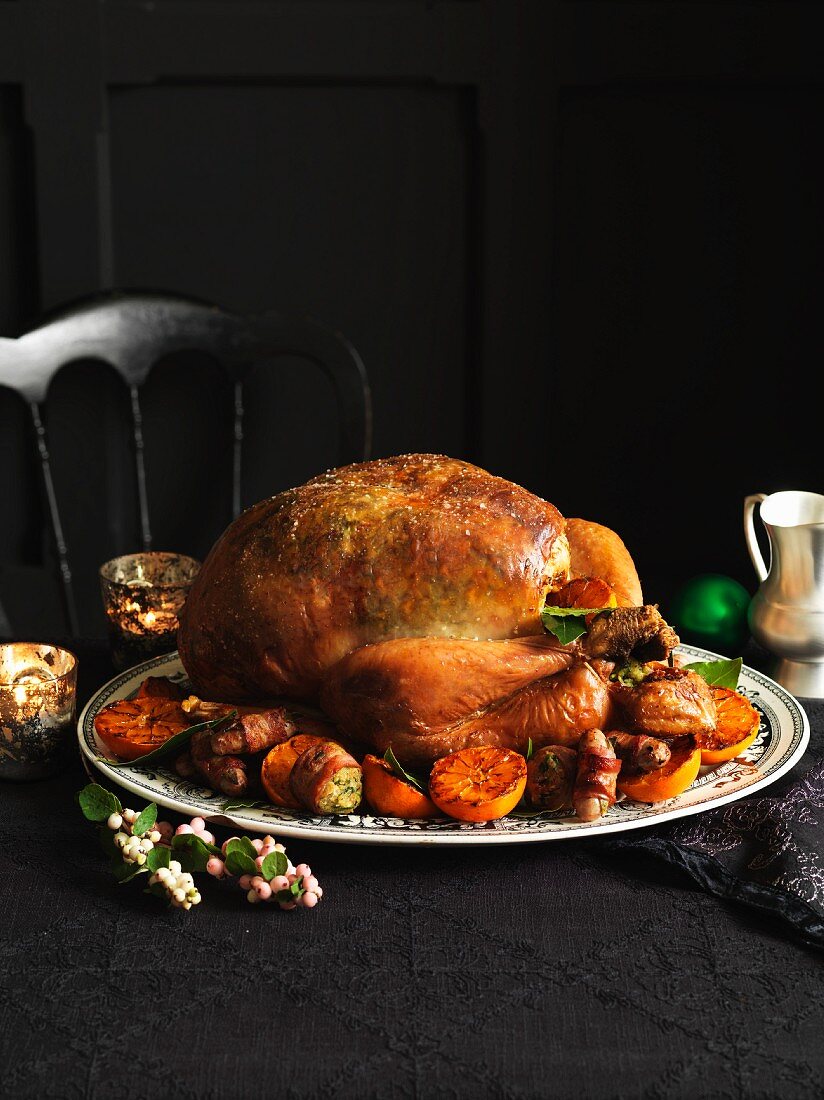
{"x": 577, "y": 242}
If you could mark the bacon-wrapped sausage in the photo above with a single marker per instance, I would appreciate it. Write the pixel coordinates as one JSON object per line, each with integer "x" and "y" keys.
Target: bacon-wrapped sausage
{"x": 185, "y": 766}
{"x": 226, "y": 774}
{"x": 254, "y": 732}
{"x": 594, "y": 790}
{"x": 326, "y": 779}
{"x": 639, "y": 752}
{"x": 549, "y": 777}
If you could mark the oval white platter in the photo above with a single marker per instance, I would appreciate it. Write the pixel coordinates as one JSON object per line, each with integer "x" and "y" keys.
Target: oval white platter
{"x": 781, "y": 741}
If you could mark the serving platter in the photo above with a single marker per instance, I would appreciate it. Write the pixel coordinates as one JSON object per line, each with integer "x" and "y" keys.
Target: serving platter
{"x": 782, "y": 738}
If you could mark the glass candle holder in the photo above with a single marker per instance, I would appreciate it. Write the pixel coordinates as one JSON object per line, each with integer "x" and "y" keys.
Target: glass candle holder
{"x": 38, "y": 687}
{"x": 142, "y": 595}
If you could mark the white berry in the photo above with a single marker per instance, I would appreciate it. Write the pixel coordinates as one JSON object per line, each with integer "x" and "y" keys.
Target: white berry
{"x": 114, "y": 822}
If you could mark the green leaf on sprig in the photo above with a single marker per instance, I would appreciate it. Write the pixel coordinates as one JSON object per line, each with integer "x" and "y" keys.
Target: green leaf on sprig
{"x": 568, "y": 623}
{"x": 125, "y": 872}
{"x": 294, "y": 892}
{"x": 107, "y": 842}
{"x": 192, "y": 852}
{"x": 238, "y": 863}
{"x": 158, "y": 857}
{"x": 174, "y": 744}
{"x": 273, "y": 865}
{"x": 529, "y": 749}
{"x": 97, "y": 803}
{"x": 241, "y": 844}
{"x": 722, "y": 673}
{"x": 400, "y": 772}
{"x": 145, "y": 820}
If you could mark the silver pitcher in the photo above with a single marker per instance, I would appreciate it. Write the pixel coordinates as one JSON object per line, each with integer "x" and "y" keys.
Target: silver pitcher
{"x": 787, "y": 612}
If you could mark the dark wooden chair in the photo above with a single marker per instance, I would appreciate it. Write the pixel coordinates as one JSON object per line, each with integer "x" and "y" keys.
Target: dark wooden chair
{"x": 132, "y": 332}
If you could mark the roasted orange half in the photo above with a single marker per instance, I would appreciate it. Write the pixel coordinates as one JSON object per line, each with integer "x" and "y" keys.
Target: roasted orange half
{"x": 737, "y": 724}
{"x": 673, "y": 779}
{"x": 478, "y": 784}
{"x": 131, "y": 728}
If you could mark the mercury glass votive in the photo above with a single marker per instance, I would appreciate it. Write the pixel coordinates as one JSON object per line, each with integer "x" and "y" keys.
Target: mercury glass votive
{"x": 38, "y": 685}
{"x": 142, "y": 595}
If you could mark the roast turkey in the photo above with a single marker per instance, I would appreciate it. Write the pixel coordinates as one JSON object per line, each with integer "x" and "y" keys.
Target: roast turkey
{"x": 404, "y": 594}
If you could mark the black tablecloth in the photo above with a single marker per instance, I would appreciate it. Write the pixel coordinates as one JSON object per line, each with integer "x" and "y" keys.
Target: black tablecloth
{"x": 536, "y": 970}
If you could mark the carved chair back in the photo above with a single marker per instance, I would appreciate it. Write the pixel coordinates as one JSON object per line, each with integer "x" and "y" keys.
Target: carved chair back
{"x": 132, "y": 332}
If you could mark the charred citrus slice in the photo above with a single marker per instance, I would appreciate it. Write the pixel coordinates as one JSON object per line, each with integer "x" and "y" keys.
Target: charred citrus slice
{"x": 277, "y": 767}
{"x": 736, "y": 726}
{"x": 131, "y": 728}
{"x": 583, "y": 592}
{"x": 667, "y": 782}
{"x": 478, "y": 784}
{"x": 388, "y": 794}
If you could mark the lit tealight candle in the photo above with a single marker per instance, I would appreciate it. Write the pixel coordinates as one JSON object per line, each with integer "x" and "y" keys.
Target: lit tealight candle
{"x": 37, "y": 705}
{"x": 142, "y": 595}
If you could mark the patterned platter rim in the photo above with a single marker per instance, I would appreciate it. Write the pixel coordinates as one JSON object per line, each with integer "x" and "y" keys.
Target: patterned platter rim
{"x": 781, "y": 741}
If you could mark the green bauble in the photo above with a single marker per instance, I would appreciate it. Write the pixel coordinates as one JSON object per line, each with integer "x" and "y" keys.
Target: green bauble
{"x": 711, "y": 610}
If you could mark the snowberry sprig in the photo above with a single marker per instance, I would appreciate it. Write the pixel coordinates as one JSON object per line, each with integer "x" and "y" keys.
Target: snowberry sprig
{"x": 276, "y": 878}
{"x": 176, "y": 885}
{"x": 139, "y": 843}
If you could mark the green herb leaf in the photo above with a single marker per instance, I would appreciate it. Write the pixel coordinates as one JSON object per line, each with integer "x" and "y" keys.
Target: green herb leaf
{"x": 145, "y": 820}
{"x": 157, "y": 858}
{"x": 719, "y": 673}
{"x": 400, "y": 772}
{"x": 568, "y": 623}
{"x": 529, "y": 749}
{"x": 244, "y": 804}
{"x": 238, "y": 863}
{"x": 176, "y": 743}
{"x": 285, "y": 895}
{"x": 565, "y": 630}
{"x": 97, "y": 803}
{"x": 274, "y": 864}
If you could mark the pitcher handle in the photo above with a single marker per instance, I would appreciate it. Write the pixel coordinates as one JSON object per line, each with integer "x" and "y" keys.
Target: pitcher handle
{"x": 749, "y": 534}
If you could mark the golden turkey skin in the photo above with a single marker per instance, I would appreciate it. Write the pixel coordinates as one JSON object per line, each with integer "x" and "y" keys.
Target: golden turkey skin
{"x": 404, "y": 547}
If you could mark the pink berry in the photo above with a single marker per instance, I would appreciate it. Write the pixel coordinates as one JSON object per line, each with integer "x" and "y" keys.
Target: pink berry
{"x": 279, "y": 848}
{"x": 257, "y": 844}
{"x": 280, "y": 882}
{"x": 288, "y": 904}
{"x": 259, "y": 862}
{"x": 255, "y": 881}
{"x": 207, "y": 837}
{"x": 303, "y": 869}
{"x": 263, "y": 890}
{"x": 183, "y": 830}
{"x": 319, "y": 891}
{"x": 310, "y": 899}
{"x": 244, "y": 882}
{"x": 225, "y": 842}
{"x": 310, "y": 882}
{"x": 198, "y": 824}
{"x": 269, "y": 841}
{"x": 216, "y": 867}
{"x": 166, "y": 831}
{"x": 291, "y": 878}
